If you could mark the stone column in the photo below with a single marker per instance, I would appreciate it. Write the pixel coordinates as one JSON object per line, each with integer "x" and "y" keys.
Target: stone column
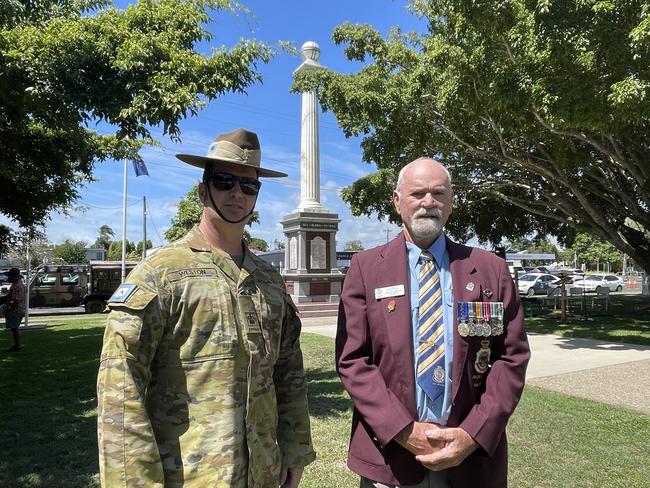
{"x": 309, "y": 137}
{"x": 311, "y": 274}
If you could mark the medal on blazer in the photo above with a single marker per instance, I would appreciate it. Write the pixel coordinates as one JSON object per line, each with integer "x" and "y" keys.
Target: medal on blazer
{"x": 391, "y": 306}
{"x": 479, "y": 319}
{"x": 497, "y": 323}
{"x": 486, "y": 330}
{"x": 463, "y": 317}
{"x": 471, "y": 322}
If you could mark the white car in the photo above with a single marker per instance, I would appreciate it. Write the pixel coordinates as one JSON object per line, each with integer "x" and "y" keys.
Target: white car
{"x": 532, "y": 283}
{"x": 599, "y": 282}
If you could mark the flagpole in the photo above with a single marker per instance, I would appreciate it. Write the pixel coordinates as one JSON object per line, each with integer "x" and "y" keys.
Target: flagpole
{"x": 144, "y": 226}
{"x": 124, "y": 226}
{"x": 28, "y": 267}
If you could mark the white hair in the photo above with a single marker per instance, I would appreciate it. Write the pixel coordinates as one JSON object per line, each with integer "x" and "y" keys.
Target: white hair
{"x": 400, "y": 176}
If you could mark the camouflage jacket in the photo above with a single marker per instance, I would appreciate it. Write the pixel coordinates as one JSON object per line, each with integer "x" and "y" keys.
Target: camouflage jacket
{"x": 201, "y": 381}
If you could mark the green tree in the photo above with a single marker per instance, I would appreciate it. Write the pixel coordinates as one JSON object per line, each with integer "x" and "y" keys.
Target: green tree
{"x": 354, "y": 245}
{"x": 187, "y": 216}
{"x": 278, "y": 245}
{"x": 67, "y": 65}
{"x": 105, "y": 237}
{"x": 190, "y": 209}
{"x": 537, "y": 246}
{"x": 40, "y": 249}
{"x": 596, "y": 254}
{"x": 115, "y": 251}
{"x": 538, "y": 109}
{"x": 7, "y": 239}
{"x": 259, "y": 244}
{"x": 138, "y": 248}
{"x": 70, "y": 252}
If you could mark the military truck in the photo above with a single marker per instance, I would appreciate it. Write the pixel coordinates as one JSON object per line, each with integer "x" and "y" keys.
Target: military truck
{"x": 104, "y": 277}
{"x": 73, "y": 285}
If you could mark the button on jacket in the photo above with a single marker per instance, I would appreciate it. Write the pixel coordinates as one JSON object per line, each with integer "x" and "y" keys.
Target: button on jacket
{"x": 201, "y": 381}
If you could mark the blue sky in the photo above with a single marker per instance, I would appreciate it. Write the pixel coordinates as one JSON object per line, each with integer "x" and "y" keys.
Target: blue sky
{"x": 268, "y": 109}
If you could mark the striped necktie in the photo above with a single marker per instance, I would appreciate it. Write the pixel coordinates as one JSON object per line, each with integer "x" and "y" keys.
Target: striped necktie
{"x": 431, "y": 330}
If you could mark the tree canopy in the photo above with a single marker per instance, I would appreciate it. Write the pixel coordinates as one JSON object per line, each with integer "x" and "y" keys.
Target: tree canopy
{"x": 115, "y": 251}
{"x": 594, "y": 253}
{"x": 104, "y": 238}
{"x": 188, "y": 214}
{"x": 81, "y": 82}
{"x": 70, "y": 252}
{"x": 538, "y": 109}
{"x": 259, "y": 244}
{"x": 354, "y": 245}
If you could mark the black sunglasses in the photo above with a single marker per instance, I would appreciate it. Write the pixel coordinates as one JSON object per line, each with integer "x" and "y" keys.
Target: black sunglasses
{"x": 226, "y": 182}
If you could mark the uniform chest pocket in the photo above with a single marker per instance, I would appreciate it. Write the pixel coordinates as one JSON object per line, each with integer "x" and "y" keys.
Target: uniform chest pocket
{"x": 205, "y": 325}
{"x": 272, "y": 310}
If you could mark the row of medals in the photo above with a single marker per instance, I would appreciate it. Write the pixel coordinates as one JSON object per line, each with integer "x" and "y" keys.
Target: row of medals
{"x": 483, "y": 319}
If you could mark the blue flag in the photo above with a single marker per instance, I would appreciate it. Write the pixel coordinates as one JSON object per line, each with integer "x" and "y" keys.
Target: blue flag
{"x": 140, "y": 168}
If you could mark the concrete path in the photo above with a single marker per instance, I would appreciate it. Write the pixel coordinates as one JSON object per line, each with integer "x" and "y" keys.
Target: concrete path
{"x": 607, "y": 372}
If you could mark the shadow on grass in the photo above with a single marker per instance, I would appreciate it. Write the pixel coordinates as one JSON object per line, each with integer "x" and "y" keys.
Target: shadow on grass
{"x": 627, "y": 323}
{"x": 326, "y": 395}
{"x": 588, "y": 343}
{"x": 48, "y": 415}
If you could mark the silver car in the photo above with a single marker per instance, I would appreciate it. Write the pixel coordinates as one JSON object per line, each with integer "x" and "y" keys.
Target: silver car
{"x": 599, "y": 282}
{"x": 536, "y": 283}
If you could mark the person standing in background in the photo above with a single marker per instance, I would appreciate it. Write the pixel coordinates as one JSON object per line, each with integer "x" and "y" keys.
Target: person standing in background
{"x": 15, "y": 310}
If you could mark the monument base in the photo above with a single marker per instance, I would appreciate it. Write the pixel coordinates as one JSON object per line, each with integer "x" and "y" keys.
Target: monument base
{"x": 313, "y": 287}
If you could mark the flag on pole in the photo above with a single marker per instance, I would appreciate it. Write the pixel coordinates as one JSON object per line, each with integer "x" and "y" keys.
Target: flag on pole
{"x": 140, "y": 168}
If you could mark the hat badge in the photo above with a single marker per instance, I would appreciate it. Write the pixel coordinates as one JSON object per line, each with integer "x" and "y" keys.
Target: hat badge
{"x": 245, "y": 155}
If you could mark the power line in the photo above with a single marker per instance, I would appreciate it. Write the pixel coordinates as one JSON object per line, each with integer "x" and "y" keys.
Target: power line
{"x": 271, "y": 113}
{"x": 107, "y": 208}
{"x": 150, "y": 214}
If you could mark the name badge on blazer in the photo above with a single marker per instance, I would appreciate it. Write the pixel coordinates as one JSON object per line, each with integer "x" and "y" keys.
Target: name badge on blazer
{"x": 389, "y": 291}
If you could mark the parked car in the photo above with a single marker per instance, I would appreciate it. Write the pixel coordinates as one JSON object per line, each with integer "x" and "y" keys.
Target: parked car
{"x": 537, "y": 283}
{"x": 516, "y": 270}
{"x": 542, "y": 269}
{"x": 600, "y": 281}
{"x": 570, "y": 273}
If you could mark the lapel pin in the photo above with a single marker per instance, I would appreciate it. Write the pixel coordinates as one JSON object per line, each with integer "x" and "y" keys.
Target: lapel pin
{"x": 487, "y": 293}
{"x": 391, "y": 306}
{"x": 470, "y": 286}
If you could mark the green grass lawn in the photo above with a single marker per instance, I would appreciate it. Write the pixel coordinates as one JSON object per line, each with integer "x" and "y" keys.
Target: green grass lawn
{"x": 627, "y": 320}
{"x": 47, "y": 433}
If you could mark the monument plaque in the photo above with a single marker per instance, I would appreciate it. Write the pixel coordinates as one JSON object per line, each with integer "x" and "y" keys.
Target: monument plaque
{"x": 293, "y": 253}
{"x": 318, "y": 254}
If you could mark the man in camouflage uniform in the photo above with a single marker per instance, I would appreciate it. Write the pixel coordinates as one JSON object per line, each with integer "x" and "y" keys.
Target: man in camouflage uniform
{"x": 201, "y": 381}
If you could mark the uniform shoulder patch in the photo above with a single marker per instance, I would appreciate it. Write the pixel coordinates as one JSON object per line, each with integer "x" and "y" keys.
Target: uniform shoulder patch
{"x": 123, "y": 292}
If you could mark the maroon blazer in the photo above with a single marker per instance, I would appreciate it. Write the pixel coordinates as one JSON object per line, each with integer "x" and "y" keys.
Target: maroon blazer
{"x": 374, "y": 358}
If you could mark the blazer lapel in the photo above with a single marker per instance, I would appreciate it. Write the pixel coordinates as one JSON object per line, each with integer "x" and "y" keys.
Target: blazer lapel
{"x": 393, "y": 270}
{"x": 466, "y": 288}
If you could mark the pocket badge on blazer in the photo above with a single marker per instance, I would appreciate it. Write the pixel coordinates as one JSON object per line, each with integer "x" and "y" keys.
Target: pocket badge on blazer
{"x": 483, "y": 357}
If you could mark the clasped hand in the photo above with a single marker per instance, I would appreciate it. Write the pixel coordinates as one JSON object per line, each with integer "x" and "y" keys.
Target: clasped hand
{"x": 437, "y": 447}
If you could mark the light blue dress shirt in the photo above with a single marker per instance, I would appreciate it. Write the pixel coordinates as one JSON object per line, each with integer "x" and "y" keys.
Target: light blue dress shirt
{"x": 438, "y": 410}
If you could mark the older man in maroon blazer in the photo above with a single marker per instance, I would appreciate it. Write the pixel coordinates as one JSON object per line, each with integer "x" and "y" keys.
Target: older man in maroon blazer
{"x": 431, "y": 348}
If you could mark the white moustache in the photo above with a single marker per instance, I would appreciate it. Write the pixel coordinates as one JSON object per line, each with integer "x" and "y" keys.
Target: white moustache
{"x": 427, "y": 213}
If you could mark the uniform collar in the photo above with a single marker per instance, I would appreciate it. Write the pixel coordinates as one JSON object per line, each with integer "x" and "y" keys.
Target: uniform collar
{"x": 437, "y": 250}
{"x": 197, "y": 242}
